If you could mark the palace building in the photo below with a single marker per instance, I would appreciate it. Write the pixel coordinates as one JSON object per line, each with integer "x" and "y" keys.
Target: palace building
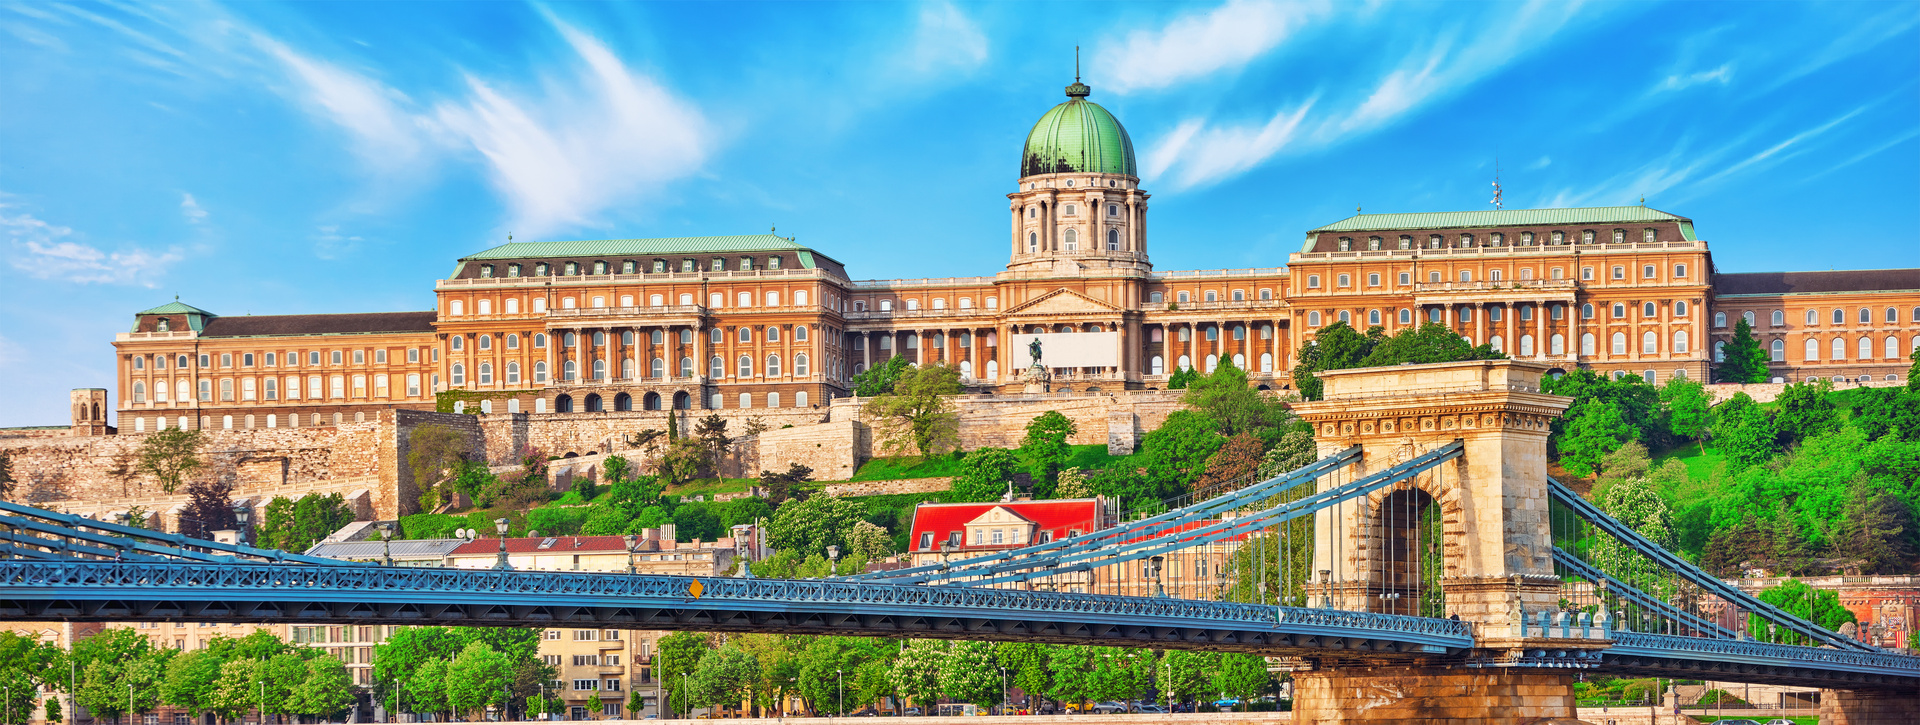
{"x": 761, "y": 322}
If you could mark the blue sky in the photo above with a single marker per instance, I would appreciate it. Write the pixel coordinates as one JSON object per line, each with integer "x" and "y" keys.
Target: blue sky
{"x": 333, "y": 157}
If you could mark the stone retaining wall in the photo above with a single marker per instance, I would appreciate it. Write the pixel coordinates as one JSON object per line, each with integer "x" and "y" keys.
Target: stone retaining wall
{"x": 884, "y": 488}
{"x": 1767, "y": 392}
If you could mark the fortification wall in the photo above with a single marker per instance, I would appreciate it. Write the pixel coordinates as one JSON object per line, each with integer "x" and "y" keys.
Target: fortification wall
{"x": 1767, "y": 392}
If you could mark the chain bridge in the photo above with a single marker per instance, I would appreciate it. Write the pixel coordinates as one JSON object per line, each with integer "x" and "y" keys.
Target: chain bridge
{"x": 1424, "y": 567}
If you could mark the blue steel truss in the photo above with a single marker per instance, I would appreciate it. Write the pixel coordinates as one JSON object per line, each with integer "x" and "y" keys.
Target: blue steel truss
{"x": 369, "y": 594}
{"x": 1626, "y": 591}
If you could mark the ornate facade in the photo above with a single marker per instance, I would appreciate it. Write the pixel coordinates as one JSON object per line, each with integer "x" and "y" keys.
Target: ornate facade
{"x": 760, "y": 321}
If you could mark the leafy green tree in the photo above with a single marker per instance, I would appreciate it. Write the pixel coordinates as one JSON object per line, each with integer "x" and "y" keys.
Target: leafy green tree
{"x": 1881, "y": 412}
{"x": 1729, "y": 547}
{"x": 1744, "y": 431}
{"x": 1878, "y": 530}
{"x": 427, "y": 689}
{"x": 723, "y": 678}
{"x": 1045, "y": 449}
{"x": 100, "y": 690}
{"x": 1026, "y": 664}
{"x": 1431, "y": 342}
{"x": 679, "y": 655}
{"x": 1335, "y": 347}
{"x": 1072, "y": 669}
{"x": 1913, "y": 378}
{"x": 1820, "y": 606}
{"x": 1226, "y": 397}
{"x": 782, "y": 485}
{"x": 18, "y": 695}
{"x": 171, "y": 455}
{"x": 1233, "y": 466}
{"x": 711, "y": 431}
{"x": 327, "y": 690}
{"x": 1181, "y": 378}
{"x": 1742, "y": 360}
{"x": 1595, "y": 429}
{"x": 1120, "y": 673}
{"x": 1685, "y": 403}
{"x": 282, "y": 675}
{"x": 682, "y": 460}
{"x": 829, "y": 670}
{"x": 299, "y": 524}
{"x": 916, "y": 671}
{"x": 1242, "y": 676}
{"x": 192, "y": 681}
{"x": 476, "y": 678}
{"x": 810, "y": 526}
{"x": 434, "y": 453}
{"x": 881, "y": 378}
{"x": 968, "y": 673}
{"x": 1186, "y": 675}
{"x": 1174, "y": 455}
{"x": 916, "y": 414}
{"x": 53, "y": 713}
{"x": 984, "y": 475}
{"x": 1635, "y": 502}
{"x": 240, "y": 688}
{"x": 1073, "y": 483}
{"x": 868, "y": 541}
{"x": 1806, "y": 410}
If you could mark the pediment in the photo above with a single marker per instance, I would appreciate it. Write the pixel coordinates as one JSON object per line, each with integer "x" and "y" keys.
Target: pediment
{"x": 999, "y": 516}
{"x": 1062, "y": 301}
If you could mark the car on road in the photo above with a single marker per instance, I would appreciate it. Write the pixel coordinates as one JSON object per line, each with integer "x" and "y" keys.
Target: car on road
{"x": 912, "y": 712}
{"x": 1741, "y": 721}
{"x": 1780, "y": 721}
{"x": 1150, "y": 710}
{"x": 1226, "y": 702}
{"x": 1108, "y": 708}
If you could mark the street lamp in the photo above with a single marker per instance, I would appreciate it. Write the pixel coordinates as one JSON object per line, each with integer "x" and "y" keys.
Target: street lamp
{"x": 841, "y": 677}
{"x": 1003, "y": 691}
{"x": 833, "y": 559}
{"x": 386, "y": 543}
{"x": 1153, "y": 566}
{"x": 501, "y": 526}
{"x": 631, "y": 541}
{"x": 1326, "y": 588}
{"x": 241, "y": 512}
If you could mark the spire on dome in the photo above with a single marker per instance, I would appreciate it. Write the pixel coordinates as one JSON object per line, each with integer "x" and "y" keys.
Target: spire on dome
{"x": 1078, "y": 89}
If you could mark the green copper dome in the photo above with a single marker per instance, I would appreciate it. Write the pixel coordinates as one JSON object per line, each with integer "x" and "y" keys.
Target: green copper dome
{"x": 1078, "y": 136}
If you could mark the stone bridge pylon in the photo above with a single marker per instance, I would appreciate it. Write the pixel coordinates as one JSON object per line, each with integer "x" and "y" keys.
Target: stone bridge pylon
{"x": 1470, "y": 539}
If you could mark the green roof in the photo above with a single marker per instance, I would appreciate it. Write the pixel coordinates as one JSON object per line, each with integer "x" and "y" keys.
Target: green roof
{"x": 175, "y": 307}
{"x": 655, "y": 245}
{"x": 1078, "y": 136}
{"x": 1506, "y": 218}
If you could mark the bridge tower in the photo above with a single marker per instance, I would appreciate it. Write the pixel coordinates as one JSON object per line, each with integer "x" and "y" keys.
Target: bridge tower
{"x": 1469, "y": 539}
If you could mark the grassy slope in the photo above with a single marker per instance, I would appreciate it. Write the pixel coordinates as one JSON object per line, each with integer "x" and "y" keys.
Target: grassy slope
{"x": 899, "y": 467}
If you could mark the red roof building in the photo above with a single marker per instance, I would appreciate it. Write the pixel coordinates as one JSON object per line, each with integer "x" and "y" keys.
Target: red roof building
{"x": 972, "y": 528}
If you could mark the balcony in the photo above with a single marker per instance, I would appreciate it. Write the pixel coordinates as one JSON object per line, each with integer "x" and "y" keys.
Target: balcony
{"x": 1509, "y": 251}
{"x": 173, "y": 335}
{"x": 595, "y": 313}
{"x": 1185, "y": 274}
{"x": 587, "y": 279}
{"x": 945, "y": 314}
{"x": 1273, "y": 304}
{"x": 1531, "y": 290}
{"x": 873, "y": 285}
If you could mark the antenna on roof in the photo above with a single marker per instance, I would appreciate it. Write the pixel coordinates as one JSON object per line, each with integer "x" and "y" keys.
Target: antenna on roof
{"x": 509, "y": 236}
{"x": 1356, "y": 208}
{"x": 1076, "y": 64}
{"x": 1497, "y": 202}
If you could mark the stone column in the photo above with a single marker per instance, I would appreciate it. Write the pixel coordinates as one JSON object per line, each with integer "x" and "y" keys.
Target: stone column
{"x": 606, "y": 352}
{"x": 1507, "y": 341}
{"x": 1479, "y": 324}
{"x": 1540, "y": 331}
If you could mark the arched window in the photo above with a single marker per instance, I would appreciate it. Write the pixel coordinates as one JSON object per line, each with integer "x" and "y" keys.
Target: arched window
{"x": 1213, "y": 363}
{"x": 1813, "y": 317}
{"x": 993, "y": 369}
{"x": 1839, "y": 316}
{"x": 1649, "y": 343}
{"x": 486, "y": 373}
{"x": 539, "y": 374}
{"x": 459, "y": 374}
{"x": 1866, "y": 348}
{"x": 1497, "y": 344}
{"x": 593, "y": 403}
{"x": 746, "y": 367}
{"x": 1406, "y": 316}
{"x": 626, "y": 369}
{"x": 1586, "y": 343}
{"x": 716, "y": 367}
{"x": 1586, "y": 313}
{"x": 1071, "y": 237}
{"x": 773, "y": 334}
{"x": 1779, "y": 318}
{"x": 569, "y": 371}
{"x": 657, "y": 368}
{"x": 773, "y": 366}
{"x": 1373, "y": 317}
{"x": 1839, "y": 349}
{"x": 563, "y": 404}
{"x": 1619, "y": 310}
{"x": 1033, "y": 242}
{"x": 1680, "y": 342}
{"x": 139, "y": 392}
{"x": 1113, "y": 240}
{"x": 1893, "y": 347}
{"x": 1526, "y": 346}
{"x": 1184, "y": 363}
{"x": 599, "y": 370}
{"x": 1157, "y": 366}
{"x": 485, "y": 340}
{"x": 1557, "y": 345}
{"x": 1777, "y": 352}
{"x": 513, "y": 372}
{"x": 569, "y": 340}
{"x": 746, "y": 400}
{"x": 1866, "y": 316}
{"x": 1748, "y": 316}
{"x": 1893, "y": 315}
{"x": 1647, "y": 310}
{"x": 1812, "y": 351}
{"x": 800, "y": 364}
{"x": 458, "y": 342}
{"x": 1720, "y": 351}
{"x": 1619, "y": 343}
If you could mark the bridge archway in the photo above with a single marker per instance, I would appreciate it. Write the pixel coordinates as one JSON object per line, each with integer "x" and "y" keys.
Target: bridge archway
{"x": 1407, "y": 572}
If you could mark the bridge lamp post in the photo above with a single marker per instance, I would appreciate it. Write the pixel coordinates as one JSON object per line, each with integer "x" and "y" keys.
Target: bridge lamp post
{"x": 631, "y": 541}
{"x": 501, "y": 526}
{"x": 1003, "y": 691}
{"x": 241, "y": 513}
{"x": 833, "y": 560}
{"x": 1326, "y": 588}
{"x": 1153, "y": 566}
{"x": 386, "y": 543}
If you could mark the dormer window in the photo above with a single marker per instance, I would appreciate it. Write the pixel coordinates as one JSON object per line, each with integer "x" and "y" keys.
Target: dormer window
{"x": 1647, "y": 235}
{"x": 1619, "y": 236}
{"x": 659, "y": 266}
{"x": 572, "y": 269}
{"x": 486, "y": 270}
{"x": 773, "y": 263}
{"x": 1526, "y": 239}
{"x": 163, "y": 326}
{"x": 599, "y": 267}
{"x": 1406, "y": 242}
{"x": 1586, "y": 236}
{"x": 746, "y": 264}
{"x": 1346, "y": 244}
{"x": 688, "y": 265}
{"x": 513, "y": 270}
{"x": 1434, "y": 241}
{"x": 540, "y": 269}
{"x": 1373, "y": 244}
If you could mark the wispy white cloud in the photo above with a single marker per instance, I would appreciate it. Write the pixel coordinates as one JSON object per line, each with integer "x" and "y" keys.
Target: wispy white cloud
{"x": 1867, "y": 35}
{"x": 331, "y": 243}
{"x": 1682, "y": 81}
{"x": 1869, "y": 153}
{"x": 44, "y": 251}
{"x": 1790, "y": 147}
{"x": 191, "y": 209}
{"x": 1198, "y": 44}
{"x": 1543, "y": 162}
{"x": 386, "y": 136}
{"x": 946, "y": 40}
{"x": 561, "y": 159}
{"x": 1202, "y": 152}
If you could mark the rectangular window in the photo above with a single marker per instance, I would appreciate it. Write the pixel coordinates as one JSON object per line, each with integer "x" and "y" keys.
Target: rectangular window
{"x": 246, "y": 360}
{"x": 1679, "y": 272}
{"x": 379, "y": 357}
{"x": 1406, "y": 278}
{"x": 359, "y": 357}
{"x": 413, "y": 354}
{"x": 336, "y": 357}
